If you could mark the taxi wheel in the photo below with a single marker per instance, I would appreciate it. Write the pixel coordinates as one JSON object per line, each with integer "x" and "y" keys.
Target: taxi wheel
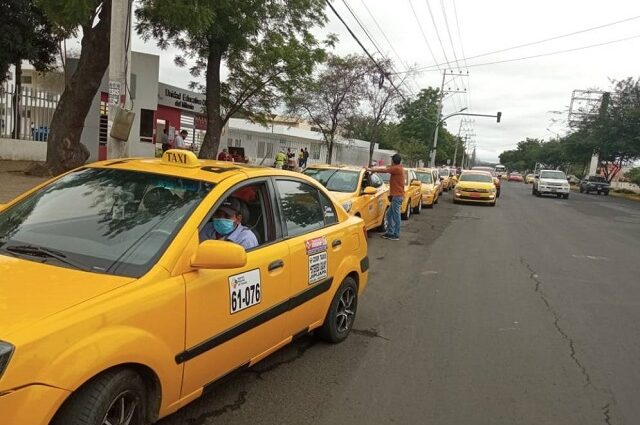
{"x": 418, "y": 208}
{"x": 385, "y": 223}
{"x": 341, "y": 314}
{"x": 407, "y": 214}
{"x": 117, "y": 397}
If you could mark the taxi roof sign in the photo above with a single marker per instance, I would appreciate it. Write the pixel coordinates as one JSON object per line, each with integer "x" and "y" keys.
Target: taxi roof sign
{"x": 180, "y": 158}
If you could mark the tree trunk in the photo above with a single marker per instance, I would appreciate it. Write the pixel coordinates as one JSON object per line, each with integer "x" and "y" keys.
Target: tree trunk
{"x": 371, "y": 149}
{"x": 330, "y": 151}
{"x": 211, "y": 143}
{"x": 15, "y": 101}
{"x": 64, "y": 149}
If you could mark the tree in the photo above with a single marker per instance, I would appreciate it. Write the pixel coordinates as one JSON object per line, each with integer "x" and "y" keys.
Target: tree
{"x": 378, "y": 104}
{"x": 332, "y": 98}
{"x": 418, "y": 123}
{"x": 633, "y": 175}
{"x": 25, "y": 35}
{"x": 266, "y": 45}
{"x": 93, "y": 19}
{"x": 614, "y": 133}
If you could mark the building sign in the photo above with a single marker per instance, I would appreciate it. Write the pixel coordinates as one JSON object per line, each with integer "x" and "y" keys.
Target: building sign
{"x": 180, "y": 98}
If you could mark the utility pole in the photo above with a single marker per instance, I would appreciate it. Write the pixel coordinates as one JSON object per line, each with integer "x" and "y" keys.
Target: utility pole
{"x": 459, "y": 139}
{"x": 439, "y": 112}
{"x": 119, "y": 70}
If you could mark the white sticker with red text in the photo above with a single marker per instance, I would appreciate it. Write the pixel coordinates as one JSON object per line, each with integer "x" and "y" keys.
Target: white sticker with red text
{"x": 317, "y": 253}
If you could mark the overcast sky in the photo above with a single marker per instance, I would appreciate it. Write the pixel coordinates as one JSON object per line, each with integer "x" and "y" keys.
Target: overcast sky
{"x": 525, "y": 91}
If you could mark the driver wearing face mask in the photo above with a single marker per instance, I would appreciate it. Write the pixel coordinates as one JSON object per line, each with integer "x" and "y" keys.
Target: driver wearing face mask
{"x": 227, "y": 225}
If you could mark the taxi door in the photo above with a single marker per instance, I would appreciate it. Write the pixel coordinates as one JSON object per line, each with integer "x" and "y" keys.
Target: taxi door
{"x": 381, "y": 197}
{"x": 225, "y": 331}
{"x": 315, "y": 240}
{"x": 369, "y": 210}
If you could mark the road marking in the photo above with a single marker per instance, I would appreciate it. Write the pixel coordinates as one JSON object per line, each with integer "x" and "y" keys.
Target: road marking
{"x": 590, "y": 257}
{"x": 429, "y": 272}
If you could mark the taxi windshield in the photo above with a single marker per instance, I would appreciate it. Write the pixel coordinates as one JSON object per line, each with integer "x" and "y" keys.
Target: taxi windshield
{"x": 480, "y": 178}
{"x": 101, "y": 220}
{"x": 385, "y": 177}
{"x": 425, "y": 177}
{"x": 335, "y": 180}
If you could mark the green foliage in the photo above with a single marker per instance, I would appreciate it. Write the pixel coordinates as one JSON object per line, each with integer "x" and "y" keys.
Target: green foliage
{"x": 633, "y": 175}
{"x": 25, "y": 34}
{"x": 267, "y": 46}
{"x": 417, "y": 126}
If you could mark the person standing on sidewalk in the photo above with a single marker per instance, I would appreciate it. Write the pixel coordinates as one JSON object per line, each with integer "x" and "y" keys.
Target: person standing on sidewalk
{"x": 396, "y": 194}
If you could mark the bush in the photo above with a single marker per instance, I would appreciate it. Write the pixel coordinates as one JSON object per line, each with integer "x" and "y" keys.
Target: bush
{"x": 625, "y": 191}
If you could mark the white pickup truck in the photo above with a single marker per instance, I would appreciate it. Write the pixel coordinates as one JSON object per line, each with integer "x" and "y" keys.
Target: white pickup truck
{"x": 552, "y": 182}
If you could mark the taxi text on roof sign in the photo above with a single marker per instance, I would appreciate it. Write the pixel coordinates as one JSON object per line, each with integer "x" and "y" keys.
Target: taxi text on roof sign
{"x": 181, "y": 158}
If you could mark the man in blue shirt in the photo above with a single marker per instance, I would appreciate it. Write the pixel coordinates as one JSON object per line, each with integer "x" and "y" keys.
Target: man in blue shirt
{"x": 227, "y": 225}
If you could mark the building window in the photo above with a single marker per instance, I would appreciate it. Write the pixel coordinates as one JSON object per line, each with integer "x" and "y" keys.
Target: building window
{"x": 238, "y": 143}
{"x": 26, "y": 79}
{"x": 261, "y": 146}
{"x": 146, "y": 125}
{"x": 229, "y": 142}
{"x": 269, "y": 150}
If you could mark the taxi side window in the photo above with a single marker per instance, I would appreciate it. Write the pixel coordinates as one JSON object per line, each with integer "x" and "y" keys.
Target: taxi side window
{"x": 300, "y": 205}
{"x": 329, "y": 211}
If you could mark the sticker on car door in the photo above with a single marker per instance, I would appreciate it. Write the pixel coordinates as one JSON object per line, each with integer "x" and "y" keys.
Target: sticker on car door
{"x": 244, "y": 290}
{"x": 317, "y": 254}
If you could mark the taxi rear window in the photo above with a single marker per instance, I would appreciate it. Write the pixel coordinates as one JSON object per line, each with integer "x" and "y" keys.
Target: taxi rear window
{"x": 102, "y": 220}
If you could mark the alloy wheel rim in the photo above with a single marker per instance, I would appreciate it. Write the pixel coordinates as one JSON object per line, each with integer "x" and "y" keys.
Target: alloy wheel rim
{"x": 122, "y": 410}
{"x": 346, "y": 310}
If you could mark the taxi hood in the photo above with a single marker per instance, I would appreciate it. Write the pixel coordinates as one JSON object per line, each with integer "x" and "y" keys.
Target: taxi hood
{"x": 475, "y": 185}
{"x": 31, "y": 291}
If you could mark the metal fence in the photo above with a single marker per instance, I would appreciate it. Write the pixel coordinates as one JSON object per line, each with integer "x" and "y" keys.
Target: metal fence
{"x": 32, "y": 115}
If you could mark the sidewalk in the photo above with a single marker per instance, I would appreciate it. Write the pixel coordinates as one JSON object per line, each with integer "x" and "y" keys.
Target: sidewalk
{"x": 13, "y": 182}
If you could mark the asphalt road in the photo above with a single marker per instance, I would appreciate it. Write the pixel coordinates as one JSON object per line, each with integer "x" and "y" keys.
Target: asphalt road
{"x": 526, "y": 313}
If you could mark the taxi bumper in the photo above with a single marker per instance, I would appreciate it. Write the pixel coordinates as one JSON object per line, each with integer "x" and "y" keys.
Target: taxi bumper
{"x": 32, "y": 405}
{"x": 474, "y": 197}
{"x": 427, "y": 199}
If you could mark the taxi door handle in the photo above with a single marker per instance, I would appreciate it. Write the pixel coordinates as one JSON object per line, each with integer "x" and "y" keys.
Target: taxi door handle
{"x": 278, "y": 264}
{"x": 336, "y": 243}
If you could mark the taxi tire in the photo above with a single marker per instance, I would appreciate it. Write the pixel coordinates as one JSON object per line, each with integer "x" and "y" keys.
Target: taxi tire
{"x": 418, "y": 208}
{"x": 90, "y": 403}
{"x": 329, "y": 330}
{"x": 383, "y": 225}
{"x": 407, "y": 214}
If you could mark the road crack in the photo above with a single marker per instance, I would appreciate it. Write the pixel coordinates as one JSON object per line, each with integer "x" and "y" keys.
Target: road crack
{"x": 556, "y": 322}
{"x": 300, "y": 351}
{"x": 236, "y": 405}
{"x": 533, "y": 275}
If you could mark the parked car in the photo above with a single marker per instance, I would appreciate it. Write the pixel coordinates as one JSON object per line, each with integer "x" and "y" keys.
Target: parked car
{"x": 596, "y": 184}
{"x": 529, "y": 179}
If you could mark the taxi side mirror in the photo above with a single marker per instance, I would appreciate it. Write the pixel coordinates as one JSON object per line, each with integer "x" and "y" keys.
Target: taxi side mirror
{"x": 369, "y": 190}
{"x": 416, "y": 183}
{"x": 219, "y": 255}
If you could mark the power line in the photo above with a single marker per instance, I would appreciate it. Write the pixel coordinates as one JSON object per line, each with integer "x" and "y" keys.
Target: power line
{"x": 446, "y": 23}
{"x": 437, "y": 32}
{"x": 455, "y": 12}
{"x": 375, "y": 44}
{"x": 473, "y": 65}
{"x": 533, "y": 43}
{"x": 385, "y": 73}
{"x": 375, "y": 21}
{"x": 424, "y": 36}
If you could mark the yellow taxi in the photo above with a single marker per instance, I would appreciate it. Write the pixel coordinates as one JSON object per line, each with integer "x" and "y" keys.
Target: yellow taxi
{"x": 445, "y": 179}
{"x": 529, "y": 179}
{"x": 430, "y": 186}
{"x": 496, "y": 180}
{"x": 475, "y": 187}
{"x": 125, "y": 297}
{"x": 361, "y": 193}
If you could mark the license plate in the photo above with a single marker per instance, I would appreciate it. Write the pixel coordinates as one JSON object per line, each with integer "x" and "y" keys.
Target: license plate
{"x": 554, "y": 190}
{"x": 244, "y": 290}
{"x": 474, "y": 195}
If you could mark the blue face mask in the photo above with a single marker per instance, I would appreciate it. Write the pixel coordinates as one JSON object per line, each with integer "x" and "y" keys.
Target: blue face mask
{"x": 223, "y": 226}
